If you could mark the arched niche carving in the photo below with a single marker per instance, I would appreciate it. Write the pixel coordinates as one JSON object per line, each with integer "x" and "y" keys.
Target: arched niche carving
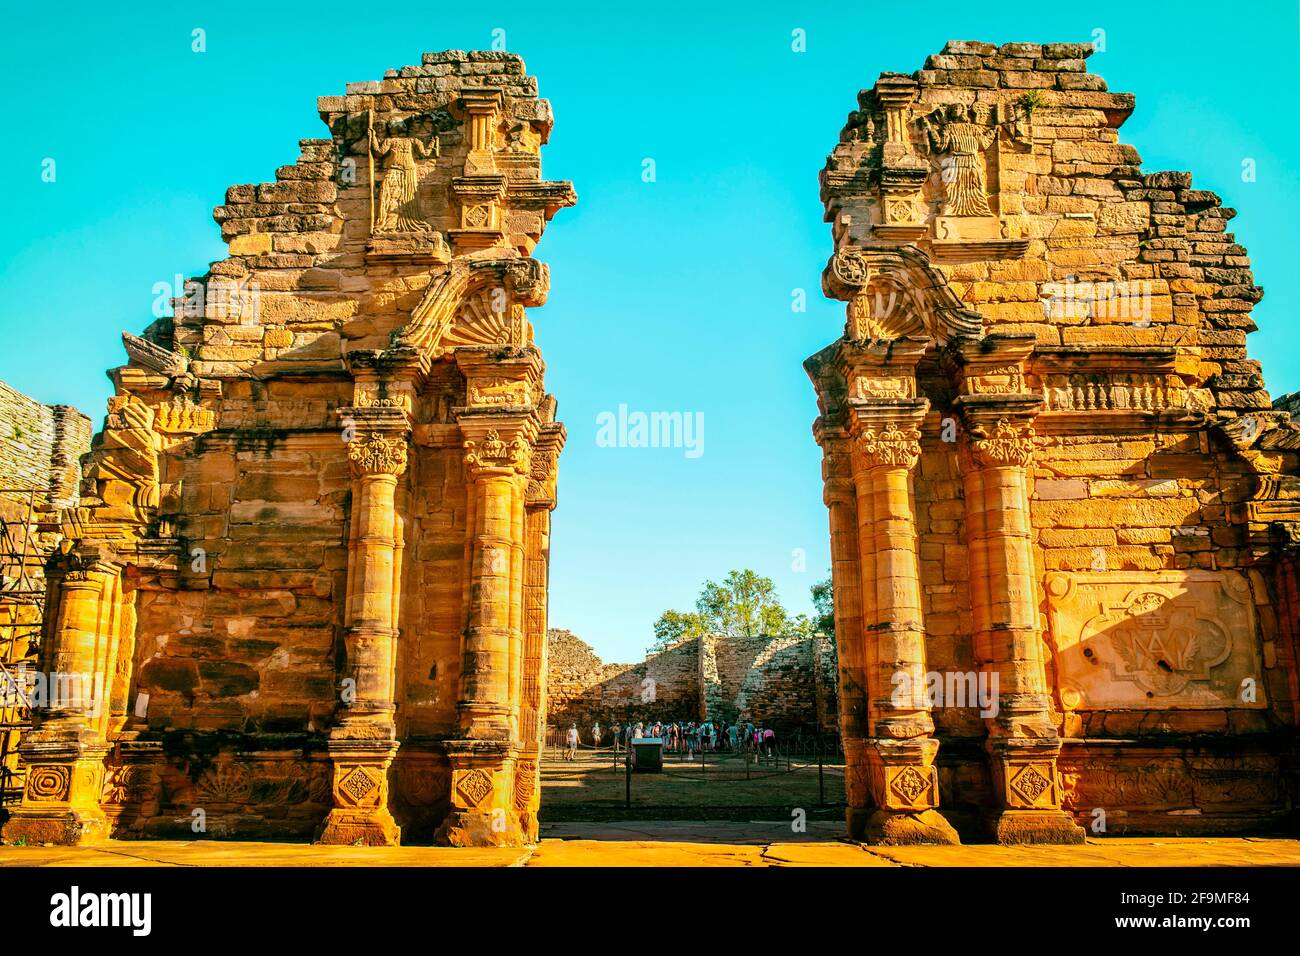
{"x": 895, "y": 293}
{"x": 476, "y": 302}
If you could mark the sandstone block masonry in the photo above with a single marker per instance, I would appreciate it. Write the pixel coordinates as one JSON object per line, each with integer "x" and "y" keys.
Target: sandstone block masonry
{"x": 40, "y": 448}
{"x": 784, "y": 682}
{"x": 311, "y": 555}
{"x": 40, "y": 451}
{"x": 1049, "y": 458}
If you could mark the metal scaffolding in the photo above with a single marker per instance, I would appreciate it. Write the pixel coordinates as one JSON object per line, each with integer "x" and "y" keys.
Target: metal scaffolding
{"x": 22, "y": 615}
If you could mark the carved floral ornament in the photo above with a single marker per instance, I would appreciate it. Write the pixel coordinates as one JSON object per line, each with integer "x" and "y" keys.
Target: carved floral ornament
{"x": 850, "y": 267}
{"x": 494, "y": 452}
{"x": 892, "y": 446}
{"x": 1010, "y": 443}
{"x": 376, "y": 454}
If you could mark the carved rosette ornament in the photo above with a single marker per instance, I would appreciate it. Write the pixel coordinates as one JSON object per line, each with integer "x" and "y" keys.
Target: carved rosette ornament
{"x": 892, "y": 446}
{"x": 1030, "y": 785}
{"x": 850, "y": 268}
{"x": 376, "y": 454}
{"x": 494, "y": 452}
{"x": 1010, "y": 444}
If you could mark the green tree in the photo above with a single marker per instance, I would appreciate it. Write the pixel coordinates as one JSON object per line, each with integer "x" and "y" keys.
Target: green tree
{"x": 674, "y": 627}
{"x": 744, "y": 604}
{"x": 823, "y": 598}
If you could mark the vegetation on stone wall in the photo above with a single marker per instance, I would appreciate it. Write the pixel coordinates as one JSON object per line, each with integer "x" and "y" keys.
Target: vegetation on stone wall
{"x": 745, "y": 604}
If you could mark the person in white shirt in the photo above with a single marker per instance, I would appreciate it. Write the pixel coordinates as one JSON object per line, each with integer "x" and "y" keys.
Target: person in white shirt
{"x": 573, "y": 743}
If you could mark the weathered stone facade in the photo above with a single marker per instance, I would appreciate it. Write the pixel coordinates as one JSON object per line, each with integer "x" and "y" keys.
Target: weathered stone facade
{"x": 786, "y": 682}
{"x": 40, "y": 451}
{"x": 1048, "y": 460}
{"x": 41, "y": 448}
{"x": 312, "y": 552}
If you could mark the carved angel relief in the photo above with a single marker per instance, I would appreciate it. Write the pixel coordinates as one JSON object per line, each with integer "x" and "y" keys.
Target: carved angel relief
{"x": 966, "y": 141}
{"x": 399, "y": 222}
{"x": 960, "y": 135}
{"x": 398, "y": 206}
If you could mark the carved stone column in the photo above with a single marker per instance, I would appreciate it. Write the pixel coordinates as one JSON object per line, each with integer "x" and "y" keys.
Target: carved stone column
{"x": 498, "y": 450}
{"x": 902, "y": 746}
{"x": 541, "y": 500}
{"x": 364, "y": 741}
{"x": 846, "y": 585}
{"x": 64, "y": 753}
{"x": 1022, "y": 742}
{"x": 870, "y": 435}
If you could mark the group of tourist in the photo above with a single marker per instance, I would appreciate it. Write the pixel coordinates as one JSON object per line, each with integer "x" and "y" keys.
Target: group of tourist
{"x": 687, "y": 738}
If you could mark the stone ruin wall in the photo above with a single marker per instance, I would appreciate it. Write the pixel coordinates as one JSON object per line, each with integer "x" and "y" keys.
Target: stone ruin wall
{"x": 1025, "y": 296}
{"x": 342, "y": 433}
{"x": 767, "y": 679}
{"x": 581, "y": 688}
{"x": 40, "y": 451}
{"x": 41, "y": 447}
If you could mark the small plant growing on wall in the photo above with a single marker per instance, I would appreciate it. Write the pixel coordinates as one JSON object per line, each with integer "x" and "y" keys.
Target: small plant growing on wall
{"x": 1032, "y": 100}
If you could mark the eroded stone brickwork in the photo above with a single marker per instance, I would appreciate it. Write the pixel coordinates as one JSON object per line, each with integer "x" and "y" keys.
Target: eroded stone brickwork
{"x": 40, "y": 451}
{"x": 312, "y": 551}
{"x": 784, "y": 682}
{"x": 1048, "y": 460}
{"x": 41, "y": 448}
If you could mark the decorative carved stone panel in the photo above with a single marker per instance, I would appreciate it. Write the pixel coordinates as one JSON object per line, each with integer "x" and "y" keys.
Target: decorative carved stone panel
{"x": 1154, "y": 639}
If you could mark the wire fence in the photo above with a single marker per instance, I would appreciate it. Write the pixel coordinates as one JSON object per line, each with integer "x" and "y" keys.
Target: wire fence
{"x": 22, "y": 606}
{"x": 601, "y": 783}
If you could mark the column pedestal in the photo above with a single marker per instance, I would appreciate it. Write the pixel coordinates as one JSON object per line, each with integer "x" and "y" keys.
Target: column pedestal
{"x": 1028, "y": 785}
{"x": 64, "y": 754}
{"x": 482, "y": 796}
{"x": 360, "y": 787}
{"x": 65, "y": 777}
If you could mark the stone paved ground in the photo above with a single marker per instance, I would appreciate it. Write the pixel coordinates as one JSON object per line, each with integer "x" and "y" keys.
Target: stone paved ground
{"x": 659, "y": 843}
{"x": 591, "y": 788}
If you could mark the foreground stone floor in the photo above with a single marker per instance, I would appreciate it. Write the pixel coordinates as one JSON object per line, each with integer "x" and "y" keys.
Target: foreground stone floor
{"x": 656, "y": 843}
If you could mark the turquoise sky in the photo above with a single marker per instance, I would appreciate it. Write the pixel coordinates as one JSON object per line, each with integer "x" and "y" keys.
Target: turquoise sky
{"x": 666, "y": 296}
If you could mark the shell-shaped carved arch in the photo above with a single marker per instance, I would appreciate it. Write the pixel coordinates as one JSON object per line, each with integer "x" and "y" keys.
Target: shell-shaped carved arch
{"x": 475, "y": 302}
{"x": 894, "y": 292}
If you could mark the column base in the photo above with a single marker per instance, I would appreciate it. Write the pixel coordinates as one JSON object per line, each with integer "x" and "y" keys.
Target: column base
{"x": 476, "y": 828}
{"x": 349, "y": 828}
{"x": 529, "y": 827}
{"x": 483, "y": 810}
{"x": 900, "y": 827}
{"x": 1037, "y": 826}
{"x": 361, "y": 755}
{"x": 65, "y": 777}
{"x": 59, "y": 827}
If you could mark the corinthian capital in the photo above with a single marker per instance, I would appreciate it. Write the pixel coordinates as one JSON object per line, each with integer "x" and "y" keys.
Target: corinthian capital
{"x": 376, "y": 454}
{"x": 496, "y": 453}
{"x": 890, "y": 446}
{"x": 1010, "y": 443}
